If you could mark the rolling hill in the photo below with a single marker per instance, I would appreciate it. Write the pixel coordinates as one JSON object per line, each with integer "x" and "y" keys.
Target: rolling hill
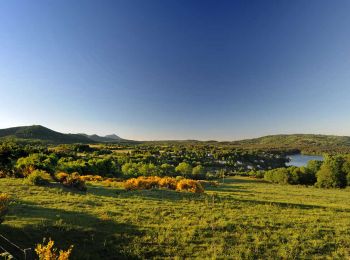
{"x": 41, "y": 133}
{"x": 304, "y": 142}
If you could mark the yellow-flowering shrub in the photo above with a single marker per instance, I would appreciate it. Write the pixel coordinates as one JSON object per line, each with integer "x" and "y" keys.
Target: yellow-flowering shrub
{"x": 91, "y": 178}
{"x": 154, "y": 182}
{"x": 189, "y": 185}
{"x": 168, "y": 182}
{"x": 48, "y": 252}
{"x": 73, "y": 180}
{"x": 4, "y": 203}
{"x": 61, "y": 176}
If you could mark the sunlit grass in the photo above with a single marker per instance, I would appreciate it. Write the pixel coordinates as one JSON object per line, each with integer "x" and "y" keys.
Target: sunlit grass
{"x": 242, "y": 219}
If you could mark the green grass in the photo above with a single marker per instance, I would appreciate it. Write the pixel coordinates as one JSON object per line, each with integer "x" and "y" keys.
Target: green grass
{"x": 243, "y": 219}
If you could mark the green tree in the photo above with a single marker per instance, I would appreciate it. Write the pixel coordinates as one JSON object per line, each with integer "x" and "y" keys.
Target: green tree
{"x": 167, "y": 169}
{"x": 198, "y": 172}
{"x": 184, "y": 169}
{"x": 331, "y": 173}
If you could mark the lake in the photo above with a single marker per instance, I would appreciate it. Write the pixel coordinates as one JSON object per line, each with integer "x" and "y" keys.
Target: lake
{"x": 302, "y": 160}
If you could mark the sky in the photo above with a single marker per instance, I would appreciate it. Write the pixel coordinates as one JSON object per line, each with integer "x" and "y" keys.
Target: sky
{"x": 184, "y": 69}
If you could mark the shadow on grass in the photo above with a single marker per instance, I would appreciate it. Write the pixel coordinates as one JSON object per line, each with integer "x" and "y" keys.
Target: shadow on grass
{"x": 92, "y": 237}
{"x": 287, "y": 204}
{"x": 160, "y": 195}
{"x": 233, "y": 180}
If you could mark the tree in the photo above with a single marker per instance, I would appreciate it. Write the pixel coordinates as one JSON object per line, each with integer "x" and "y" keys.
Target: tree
{"x": 184, "y": 169}
{"x": 314, "y": 166}
{"x": 198, "y": 172}
{"x": 331, "y": 174}
{"x": 130, "y": 169}
{"x": 167, "y": 169}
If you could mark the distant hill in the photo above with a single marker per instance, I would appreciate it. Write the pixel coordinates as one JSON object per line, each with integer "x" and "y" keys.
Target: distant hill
{"x": 103, "y": 139}
{"x": 304, "y": 142}
{"x": 41, "y": 133}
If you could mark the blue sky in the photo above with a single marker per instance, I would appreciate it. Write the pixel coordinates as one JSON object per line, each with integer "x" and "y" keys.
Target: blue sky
{"x": 180, "y": 69}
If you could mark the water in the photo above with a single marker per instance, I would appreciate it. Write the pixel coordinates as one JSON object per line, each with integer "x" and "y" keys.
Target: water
{"x": 302, "y": 160}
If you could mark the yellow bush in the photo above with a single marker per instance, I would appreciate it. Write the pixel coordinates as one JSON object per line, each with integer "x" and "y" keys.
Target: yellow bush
{"x": 168, "y": 182}
{"x": 4, "y": 203}
{"x": 48, "y": 252}
{"x": 154, "y": 182}
{"x": 189, "y": 185}
{"x": 61, "y": 176}
{"x": 91, "y": 178}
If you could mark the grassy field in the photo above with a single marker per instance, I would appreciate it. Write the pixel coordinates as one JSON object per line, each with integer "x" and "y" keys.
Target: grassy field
{"x": 242, "y": 219}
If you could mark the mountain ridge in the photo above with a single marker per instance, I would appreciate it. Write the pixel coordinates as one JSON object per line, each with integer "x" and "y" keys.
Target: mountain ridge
{"x": 41, "y": 133}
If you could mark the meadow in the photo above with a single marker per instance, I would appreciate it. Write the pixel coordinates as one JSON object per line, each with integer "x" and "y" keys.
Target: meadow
{"x": 244, "y": 218}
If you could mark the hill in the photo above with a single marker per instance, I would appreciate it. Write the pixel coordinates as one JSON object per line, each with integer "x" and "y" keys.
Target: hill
{"x": 308, "y": 143}
{"x": 41, "y": 133}
{"x": 103, "y": 139}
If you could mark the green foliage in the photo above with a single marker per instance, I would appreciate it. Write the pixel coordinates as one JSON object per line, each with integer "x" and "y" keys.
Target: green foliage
{"x": 39, "y": 177}
{"x": 331, "y": 174}
{"x": 280, "y": 175}
{"x": 198, "y": 172}
{"x": 314, "y": 166}
{"x": 40, "y": 161}
{"x": 167, "y": 169}
{"x": 184, "y": 168}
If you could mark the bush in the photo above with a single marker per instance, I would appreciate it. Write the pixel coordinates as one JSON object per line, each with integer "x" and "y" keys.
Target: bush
{"x": 75, "y": 181}
{"x": 4, "y": 202}
{"x": 154, "y": 182}
{"x": 48, "y": 252}
{"x": 189, "y": 185}
{"x": 279, "y": 175}
{"x": 92, "y": 178}
{"x": 61, "y": 176}
{"x": 39, "y": 177}
{"x": 142, "y": 183}
{"x": 168, "y": 182}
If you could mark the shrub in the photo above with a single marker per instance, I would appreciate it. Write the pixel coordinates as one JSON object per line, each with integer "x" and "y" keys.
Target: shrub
{"x": 75, "y": 181}
{"x": 189, "y": 185}
{"x": 48, "y": 252}
{"x": 61, "y": 176}
{"x": 279, "y": 175}
{"x": 154, "y": 182}
{"x": 92, "y": 178}
{"x": 168, "y": 182}
{"x": 39, "y": 177}
{"x": 142, "y": 183}
{"x": 4, "y": 202}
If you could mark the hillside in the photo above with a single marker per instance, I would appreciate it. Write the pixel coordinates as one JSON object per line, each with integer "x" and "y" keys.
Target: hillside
{"x": 304, "y": 142}
{"x": 41, "y": 133}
